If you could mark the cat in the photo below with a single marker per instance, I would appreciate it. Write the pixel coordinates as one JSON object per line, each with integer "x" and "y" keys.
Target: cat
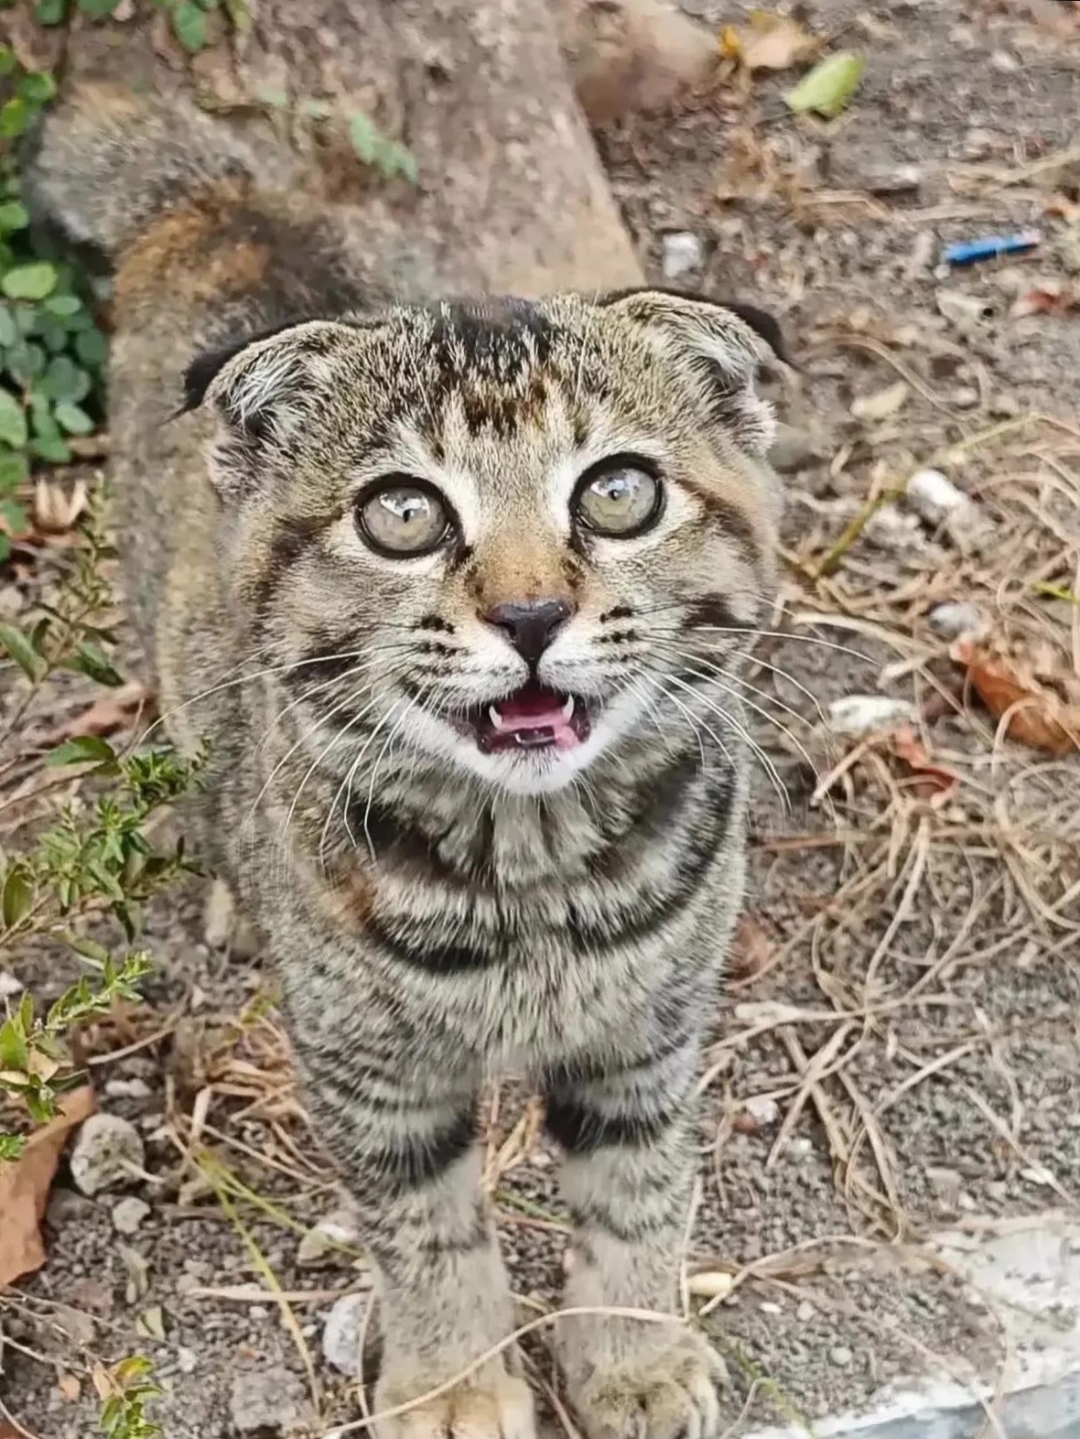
{"x": 458, "y": 593}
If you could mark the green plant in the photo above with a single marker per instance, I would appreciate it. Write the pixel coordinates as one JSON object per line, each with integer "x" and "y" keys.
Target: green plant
{"x": 52, "y": 353}
{"x": 125, "y": 1390}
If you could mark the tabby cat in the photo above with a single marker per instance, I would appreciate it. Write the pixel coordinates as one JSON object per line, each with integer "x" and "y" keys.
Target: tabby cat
{"x": 458, "y": 592}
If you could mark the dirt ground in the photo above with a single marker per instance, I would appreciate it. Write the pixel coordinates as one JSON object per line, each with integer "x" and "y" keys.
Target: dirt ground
{"x": 897, "y": 1050}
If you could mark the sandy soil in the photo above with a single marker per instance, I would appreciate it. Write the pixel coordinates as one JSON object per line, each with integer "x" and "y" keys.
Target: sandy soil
{"x": 897, "y": 1049}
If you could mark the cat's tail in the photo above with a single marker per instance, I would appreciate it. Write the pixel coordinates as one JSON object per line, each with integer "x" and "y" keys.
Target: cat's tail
{"x": 105, "y": 164}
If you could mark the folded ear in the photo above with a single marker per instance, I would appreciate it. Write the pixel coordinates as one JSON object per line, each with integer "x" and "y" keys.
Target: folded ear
{"x": 721, "y": 348}
{"x": 265, "y": 389}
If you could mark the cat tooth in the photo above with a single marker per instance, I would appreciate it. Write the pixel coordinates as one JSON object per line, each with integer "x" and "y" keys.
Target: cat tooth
{"x": 495, "y": 717}
{"x": 568, "y": 708}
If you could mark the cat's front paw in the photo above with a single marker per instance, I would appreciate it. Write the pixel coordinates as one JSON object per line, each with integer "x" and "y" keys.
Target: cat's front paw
{"x": 490, "y": 1404}
{"x": 666, "y": 1393}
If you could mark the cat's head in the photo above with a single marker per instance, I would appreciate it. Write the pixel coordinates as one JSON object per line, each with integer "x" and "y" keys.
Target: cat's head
{"x": 503, "y": 535}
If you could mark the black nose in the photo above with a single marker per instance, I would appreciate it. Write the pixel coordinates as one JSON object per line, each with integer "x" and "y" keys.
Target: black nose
{"x": 530, "y": 624}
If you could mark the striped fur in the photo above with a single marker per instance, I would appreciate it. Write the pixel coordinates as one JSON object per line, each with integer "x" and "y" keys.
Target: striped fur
{"x": 437, "y": 915}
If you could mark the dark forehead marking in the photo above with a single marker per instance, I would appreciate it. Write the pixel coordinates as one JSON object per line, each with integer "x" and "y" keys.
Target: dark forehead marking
{"x": 500, "y": 338}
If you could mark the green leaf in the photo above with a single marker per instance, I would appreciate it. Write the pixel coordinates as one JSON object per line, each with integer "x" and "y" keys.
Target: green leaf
{"x": 89, "y": 660}
{"x": 64, "y": 380}
{"x": 7, "y": 60}
{"x": 9, "y": 331}
{"x": 239, "y": 14}
{"x": 13, "y": 431}
{"x": 19, "y": 647}
{"x": 189, "y": 25}
{"x": 14, "y": 115}
{"x": 90, "y": 950}
{"x": 73, "y": 418}
{"x": 14, "y": 1053}
{"x": 364, "y": 138}
{"x": 15, "y": 520}
{"x": 37, "y": 87}
{"x": 828, "y": 87}
{"x": 50, "y": 12}
{"x": 98, "y": 9}
{"x": 91, "y": 348}
{"x": 11, "y": 1146}
{"x": 62, "y": 306}
{"x": 14, "y": 471}
{"x": 275, "y": 99}
{"x": 29, "y": 282}
{"x": 13, "y": 216}
{"x": 83, "y": 749}
{"x": 57, "y": 452}
{"x": 17, "y": 897}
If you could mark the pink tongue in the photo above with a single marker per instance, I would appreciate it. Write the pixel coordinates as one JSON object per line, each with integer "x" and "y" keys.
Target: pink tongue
{"x": 536, "y": 709}
{"x": 530, "y": 709}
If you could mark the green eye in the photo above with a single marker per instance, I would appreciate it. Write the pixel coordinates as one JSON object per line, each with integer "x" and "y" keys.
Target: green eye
{"x": 407, "y": 518}
{"x": 619, "y": 498}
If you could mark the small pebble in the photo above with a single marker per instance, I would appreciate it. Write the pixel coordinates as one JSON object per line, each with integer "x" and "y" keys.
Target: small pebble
{"x": 761, "y": 1109}
{"x": 841, "y": 1356}
{"x": 9, "y": 985}
{"x": 861, "y": 714}
{"x": 129, "y": 1213}
{"x": 187, "y": 1361}
{"x": 341, "y": 1333}
{"x": 682, "y": 254}
{"x": 267, "y": 1402}
{"x": 805, "y": 1312}
{"x": 106, "y": 1153}
{"x": 956, "y": 618}
{"x": 128, "y": 1089}
{"x": 768, "y": 1307}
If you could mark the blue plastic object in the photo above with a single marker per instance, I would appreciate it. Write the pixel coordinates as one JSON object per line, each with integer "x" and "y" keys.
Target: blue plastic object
{"x": 969, "y": 252}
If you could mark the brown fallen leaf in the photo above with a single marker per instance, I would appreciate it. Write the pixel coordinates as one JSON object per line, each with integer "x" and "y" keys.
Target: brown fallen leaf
{"x": 1038, "y": 715}
{"x": 1049, "y": 298}
{"x": 24, "y": 1187}
{"x": 931, "y": 781}
{"x": 114, "y": 711}
{"x": 751, "y": 949}
{"x": 768, "y": 42}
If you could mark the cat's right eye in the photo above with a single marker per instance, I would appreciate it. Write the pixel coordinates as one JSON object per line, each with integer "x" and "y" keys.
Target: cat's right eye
{"x": 403, "y": 517}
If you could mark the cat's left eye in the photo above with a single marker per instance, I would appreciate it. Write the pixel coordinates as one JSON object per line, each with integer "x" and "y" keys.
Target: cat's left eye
{"x": 619, "y": 497}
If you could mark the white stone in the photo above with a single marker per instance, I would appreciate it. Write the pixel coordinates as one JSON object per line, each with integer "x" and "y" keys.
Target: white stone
{"x": 761, "y": 1109}
{"x": 9, "y": 985}
{"x": 129, "y": 1213}
{"x": 862, "y": 714}
{"x": 682, "y": 254}
{"x": 341, "y": 1333}
{"x": 107, "y": 1154}
{"x": 956, "y": 618}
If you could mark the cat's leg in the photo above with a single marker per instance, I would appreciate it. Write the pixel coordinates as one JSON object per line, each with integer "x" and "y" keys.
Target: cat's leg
{"x": 413, "y": 1168}
{"x": 628, "y": 1180}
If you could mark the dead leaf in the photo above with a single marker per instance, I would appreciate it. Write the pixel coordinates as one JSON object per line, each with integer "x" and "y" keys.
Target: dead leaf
{"x": 8, "y": 1431}
{"x": 1049, "y": 298}
{"x": 931, "y": 781}
{"x": 114, "y": 711}
{"x": 56, "y": 508}
{"x": 751, "y": 948}
{"x": 1007, "y": 684}
{"x": 69, "y": 1387}
{"x": 882, "y": 403}
{"x": 24, "y": 1187}
{"x": 769, "y": 42}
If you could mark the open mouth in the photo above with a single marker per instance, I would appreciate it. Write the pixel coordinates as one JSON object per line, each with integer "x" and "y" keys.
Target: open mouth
{"x": 533, "y": 717}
